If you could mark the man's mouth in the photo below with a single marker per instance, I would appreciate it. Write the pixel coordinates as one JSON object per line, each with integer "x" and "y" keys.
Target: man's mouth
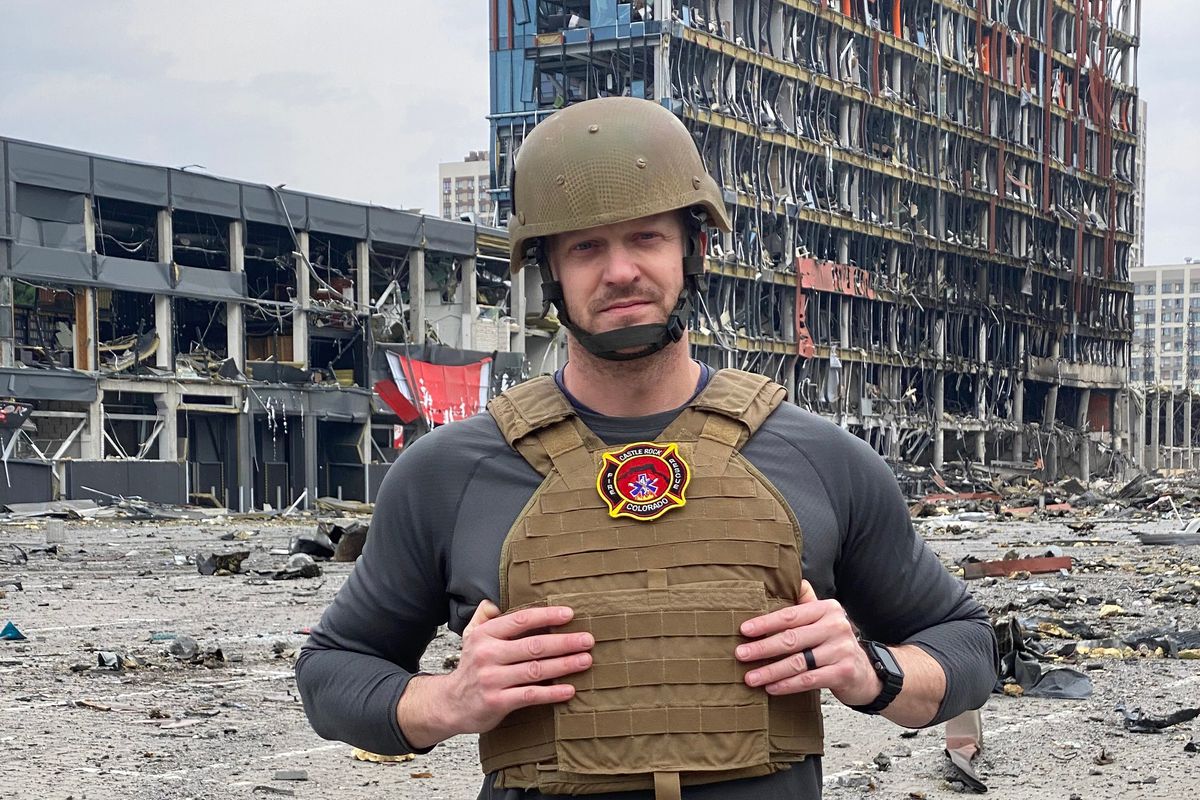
{"x": 626, "y": 304}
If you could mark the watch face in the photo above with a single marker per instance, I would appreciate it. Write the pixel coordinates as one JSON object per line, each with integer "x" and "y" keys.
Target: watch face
{"x": 886, "y": 659}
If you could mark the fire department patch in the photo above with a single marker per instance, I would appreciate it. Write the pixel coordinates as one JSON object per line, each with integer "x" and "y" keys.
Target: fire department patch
{"x": 643, "y": 480}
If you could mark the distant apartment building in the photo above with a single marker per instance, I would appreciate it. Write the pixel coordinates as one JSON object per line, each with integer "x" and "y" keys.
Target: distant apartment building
{"x": 1166, "y": 318}
{"x": 465, "y": 186}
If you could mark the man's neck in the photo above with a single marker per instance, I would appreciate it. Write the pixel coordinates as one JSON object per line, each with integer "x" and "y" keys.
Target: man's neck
{"x": 659, "y": 382}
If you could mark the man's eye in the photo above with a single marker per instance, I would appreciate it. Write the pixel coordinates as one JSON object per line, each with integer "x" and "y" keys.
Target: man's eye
{"x": 581, "y": 246}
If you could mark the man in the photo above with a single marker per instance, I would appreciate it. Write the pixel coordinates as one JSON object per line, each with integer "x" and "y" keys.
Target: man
{"x": 654, "y": 566}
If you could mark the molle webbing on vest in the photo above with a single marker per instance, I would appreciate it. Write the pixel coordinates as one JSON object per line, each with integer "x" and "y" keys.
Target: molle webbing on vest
{"x": 665, "y": 702}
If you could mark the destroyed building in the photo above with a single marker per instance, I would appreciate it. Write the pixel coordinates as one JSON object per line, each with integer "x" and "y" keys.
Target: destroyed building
{"x": 933, "y": 202}
{"x": 186, "y": 338}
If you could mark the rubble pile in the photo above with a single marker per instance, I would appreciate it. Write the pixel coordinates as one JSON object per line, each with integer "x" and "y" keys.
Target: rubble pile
{"x": 151, "y": 650}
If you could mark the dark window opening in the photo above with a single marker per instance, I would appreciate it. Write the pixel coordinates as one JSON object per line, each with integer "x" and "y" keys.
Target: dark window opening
{"x": 43, "y": 324}
{"x": 125, "y": 230}
{"x": 200, "y": 332}
{"x": 339, "y": 358}
{"x": 332, "y": 279}
{"x": 200, "y": 240}
{"x": 270, "y": 265}
{"x": 132, "y": 426}
{"x": 389, "y": 292}
{"x": 126, "y": 332}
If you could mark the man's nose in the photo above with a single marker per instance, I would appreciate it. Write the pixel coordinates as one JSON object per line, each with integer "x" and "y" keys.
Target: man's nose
{"x": 621, "y": 266}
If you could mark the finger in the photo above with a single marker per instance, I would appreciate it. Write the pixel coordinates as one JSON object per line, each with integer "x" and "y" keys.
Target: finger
{"x": 533, "y": 672}
{"x": 483, "y": 612}
{"x": 515, "y": 624}
{"x": 782, "y": 619}
{"x": 819, "y": 678}
{"x": 790, "y": 665}
{"x": 541, "y": 646}
{"x": 534, "y": 695}
{"x": 807, "y": 595}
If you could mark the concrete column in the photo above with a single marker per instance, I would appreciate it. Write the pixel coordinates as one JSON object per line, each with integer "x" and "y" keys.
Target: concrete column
{"x": 1018, "y": 416}
{"x": 1170, "y": 421}
{"x": 939, "y": 393}
{"x": 362, "y": 277}
{"x": 84, "y": 345}
{"x": 1189, "y": 460}
{"x": 470, "y": 302}
{"x": 235, "y": 323}
{"x": 1155, "y": 403}
{"x": 893, "y": 431}
{"x": 1081, "y": 423}
{"x": 416, "y": 295}
{"x": 516, "y": 299}
{"x": 362, "y": 302}
{"x": 981, "y": 399}
{"x": 164, "y": 311}
{"x": 7, "y": 332}
{"x": 244, "y": 498}
{"x": 300, "y": 313}
{"x": 790, "y": 378}
{"x": 83, "y": 348}
{"x": 91, "y": 438}
{"x": 1050, "y": 409}
{"x": 844, "y": 322}
{"x": 168, "y": 439}
{"x": 309, "y": 421}
{"x": 1018, "y": 410}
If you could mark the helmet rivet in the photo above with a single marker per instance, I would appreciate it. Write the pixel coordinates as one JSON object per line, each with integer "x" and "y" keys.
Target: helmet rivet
{"x": 521, "y": 217}
{"x": 560, "y": 180}
{"x": 641, "y": 163}
{"x": 695, "y": 182}
{"x": 593, "y": 128}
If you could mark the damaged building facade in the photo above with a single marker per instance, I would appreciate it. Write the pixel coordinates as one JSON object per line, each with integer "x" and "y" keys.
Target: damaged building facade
{"x": 186, "y": 338}
{"x": 933, "y": 202}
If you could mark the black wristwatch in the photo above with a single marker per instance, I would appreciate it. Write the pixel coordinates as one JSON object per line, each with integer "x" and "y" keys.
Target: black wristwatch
{"x": 889, "y": 672}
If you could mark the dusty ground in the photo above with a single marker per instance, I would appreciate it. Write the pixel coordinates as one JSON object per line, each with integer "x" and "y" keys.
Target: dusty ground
{"x": 168, "y": 729}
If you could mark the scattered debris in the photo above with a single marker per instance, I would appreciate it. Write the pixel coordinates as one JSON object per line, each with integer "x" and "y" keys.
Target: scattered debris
{"x": 290, "y": 775}
{"x": 1138, "y": 722}
{"x": 13, "y": 556}
{"x": 1005, "y": 567}
{"x": 221, "y": 563}
{"x": 11, "y": 633}
{"x": 183, "y": 648}
{"x": 359, "y": 754}
{"x": 299, "y": 565}
{"x": 112, "y": 660}
{"x": 313, "y": 543}
{"x": 349, "y": 538}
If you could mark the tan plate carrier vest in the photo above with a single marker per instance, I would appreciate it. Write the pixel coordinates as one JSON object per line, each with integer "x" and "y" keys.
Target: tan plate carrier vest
{"x": 664, "y": 702}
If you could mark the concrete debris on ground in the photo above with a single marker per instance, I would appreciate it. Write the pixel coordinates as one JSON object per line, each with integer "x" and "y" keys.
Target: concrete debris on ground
{"x": 147, "y": 678}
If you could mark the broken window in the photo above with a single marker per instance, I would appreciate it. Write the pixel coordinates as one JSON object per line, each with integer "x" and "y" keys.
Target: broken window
{"x": 49, "y": 217}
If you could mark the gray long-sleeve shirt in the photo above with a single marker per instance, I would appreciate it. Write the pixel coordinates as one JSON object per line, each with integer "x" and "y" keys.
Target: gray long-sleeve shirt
{"x": 448, "y": 502}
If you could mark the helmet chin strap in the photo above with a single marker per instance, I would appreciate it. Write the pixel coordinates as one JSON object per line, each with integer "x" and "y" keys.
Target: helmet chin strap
{"x": 648, "y": 338}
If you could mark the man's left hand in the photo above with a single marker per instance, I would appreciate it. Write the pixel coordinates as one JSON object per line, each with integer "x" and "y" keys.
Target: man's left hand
{"x": 820, "y": 627}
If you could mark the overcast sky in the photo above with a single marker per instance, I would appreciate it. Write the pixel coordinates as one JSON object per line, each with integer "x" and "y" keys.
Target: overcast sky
{"x": 361, "y": 99}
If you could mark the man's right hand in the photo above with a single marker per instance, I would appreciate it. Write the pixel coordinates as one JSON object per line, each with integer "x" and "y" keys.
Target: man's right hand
{"x": 504, "y": 664}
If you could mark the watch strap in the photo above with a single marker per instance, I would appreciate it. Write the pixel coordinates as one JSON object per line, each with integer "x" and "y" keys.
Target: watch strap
{"x": 892, "y": 682}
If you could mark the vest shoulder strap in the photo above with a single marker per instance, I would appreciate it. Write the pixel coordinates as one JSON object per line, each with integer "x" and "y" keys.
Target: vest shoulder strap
{"x": 529, "y": 406}
{"x": 742, "y": 396}
{"x": 537, "y": 421}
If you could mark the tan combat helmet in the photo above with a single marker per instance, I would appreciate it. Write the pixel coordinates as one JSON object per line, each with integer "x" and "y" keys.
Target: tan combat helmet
{"x": 604, "y": 161}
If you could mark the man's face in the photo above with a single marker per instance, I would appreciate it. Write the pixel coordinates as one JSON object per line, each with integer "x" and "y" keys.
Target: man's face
{"x": 627, "y": 273}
